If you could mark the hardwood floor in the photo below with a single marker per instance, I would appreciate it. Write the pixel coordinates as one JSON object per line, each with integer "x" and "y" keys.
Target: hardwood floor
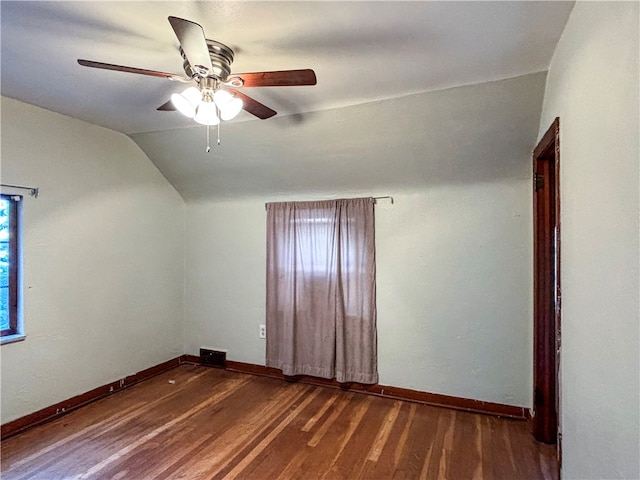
{"x": 201, "y": 423}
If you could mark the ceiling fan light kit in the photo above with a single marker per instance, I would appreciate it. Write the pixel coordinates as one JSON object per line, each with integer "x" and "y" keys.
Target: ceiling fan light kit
{"x": 207, "y": 105}
{"x": 208, "y": 64}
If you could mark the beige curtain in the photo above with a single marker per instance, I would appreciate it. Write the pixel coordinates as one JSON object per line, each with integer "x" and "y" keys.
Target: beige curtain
{"x": 321, "y": 311}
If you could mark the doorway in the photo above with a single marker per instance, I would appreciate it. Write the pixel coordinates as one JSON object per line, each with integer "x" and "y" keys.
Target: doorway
{"x": 546, "y": 288}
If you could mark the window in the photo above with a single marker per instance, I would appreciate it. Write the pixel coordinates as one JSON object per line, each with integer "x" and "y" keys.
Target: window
{"x": 314, "y": 233}
{"x": 10, "y": 322}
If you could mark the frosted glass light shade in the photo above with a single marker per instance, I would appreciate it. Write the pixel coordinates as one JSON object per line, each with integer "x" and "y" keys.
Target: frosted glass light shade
{"x": 222, "y": 97}
{"x": 229, "y": 105}
{"x": 187, "y": 101}
{"x": 231, "y": 109}
{"x": 206, "y": 114}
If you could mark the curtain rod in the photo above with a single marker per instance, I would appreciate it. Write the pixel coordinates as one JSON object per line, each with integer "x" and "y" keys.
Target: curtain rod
{"x": 32, "y": 190}
{"x": 385, "y": 196}
{"x": 374, "y": 198}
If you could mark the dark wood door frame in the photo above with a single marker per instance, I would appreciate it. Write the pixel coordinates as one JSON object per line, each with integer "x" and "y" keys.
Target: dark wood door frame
{"x": 546, "y": 309}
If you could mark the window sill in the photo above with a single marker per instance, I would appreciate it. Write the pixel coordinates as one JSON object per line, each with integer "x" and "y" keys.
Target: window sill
{"x": 17, "y": 337}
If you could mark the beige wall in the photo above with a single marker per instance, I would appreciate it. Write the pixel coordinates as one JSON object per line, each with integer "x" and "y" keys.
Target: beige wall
{"x": 454, "y": 253}
{"x": 453, "y": 282}
{"x": 103, "y": 259}
{"x": 593, "y": 87}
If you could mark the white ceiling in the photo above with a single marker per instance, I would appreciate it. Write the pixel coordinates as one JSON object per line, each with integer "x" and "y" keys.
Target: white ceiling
{"x": 361, "y": 52}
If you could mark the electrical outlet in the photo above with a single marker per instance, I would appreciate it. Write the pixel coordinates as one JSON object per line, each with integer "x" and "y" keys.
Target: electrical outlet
{"x": 262, "y": 333}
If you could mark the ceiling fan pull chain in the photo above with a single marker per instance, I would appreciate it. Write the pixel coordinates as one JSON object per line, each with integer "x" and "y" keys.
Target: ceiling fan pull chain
{"x": 208, "y": 147}
{"x": 219, "y": 133}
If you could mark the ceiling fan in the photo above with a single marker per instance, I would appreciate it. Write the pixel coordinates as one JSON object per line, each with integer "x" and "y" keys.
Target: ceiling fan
{"x": 207, "y": 64}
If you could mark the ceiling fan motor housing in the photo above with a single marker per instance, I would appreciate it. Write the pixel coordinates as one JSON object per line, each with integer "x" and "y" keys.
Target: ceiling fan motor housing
{"x": 221, "y": 60}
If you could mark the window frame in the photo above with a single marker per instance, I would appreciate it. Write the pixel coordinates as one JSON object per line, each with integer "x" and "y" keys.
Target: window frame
{"x": 15, "y": 330}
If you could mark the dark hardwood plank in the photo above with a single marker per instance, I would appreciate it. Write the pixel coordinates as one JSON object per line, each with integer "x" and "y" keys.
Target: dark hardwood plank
{"x": 196, "y": 422}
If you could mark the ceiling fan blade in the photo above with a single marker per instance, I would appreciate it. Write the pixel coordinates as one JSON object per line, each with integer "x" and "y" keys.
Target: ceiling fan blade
{"x": 122, "y": 68}
{"x": 166, "y": 107}
{"x": 193, "y": 43}
{"x": 252, "y": 106}
{"x": 284, "y": 78}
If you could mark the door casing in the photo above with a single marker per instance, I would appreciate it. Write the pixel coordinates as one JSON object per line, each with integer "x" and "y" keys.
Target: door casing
{"x": 547, "y": 293}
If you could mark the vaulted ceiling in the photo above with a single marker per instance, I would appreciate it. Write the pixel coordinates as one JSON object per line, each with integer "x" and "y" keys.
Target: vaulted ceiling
{"x": 386, "y": 75}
